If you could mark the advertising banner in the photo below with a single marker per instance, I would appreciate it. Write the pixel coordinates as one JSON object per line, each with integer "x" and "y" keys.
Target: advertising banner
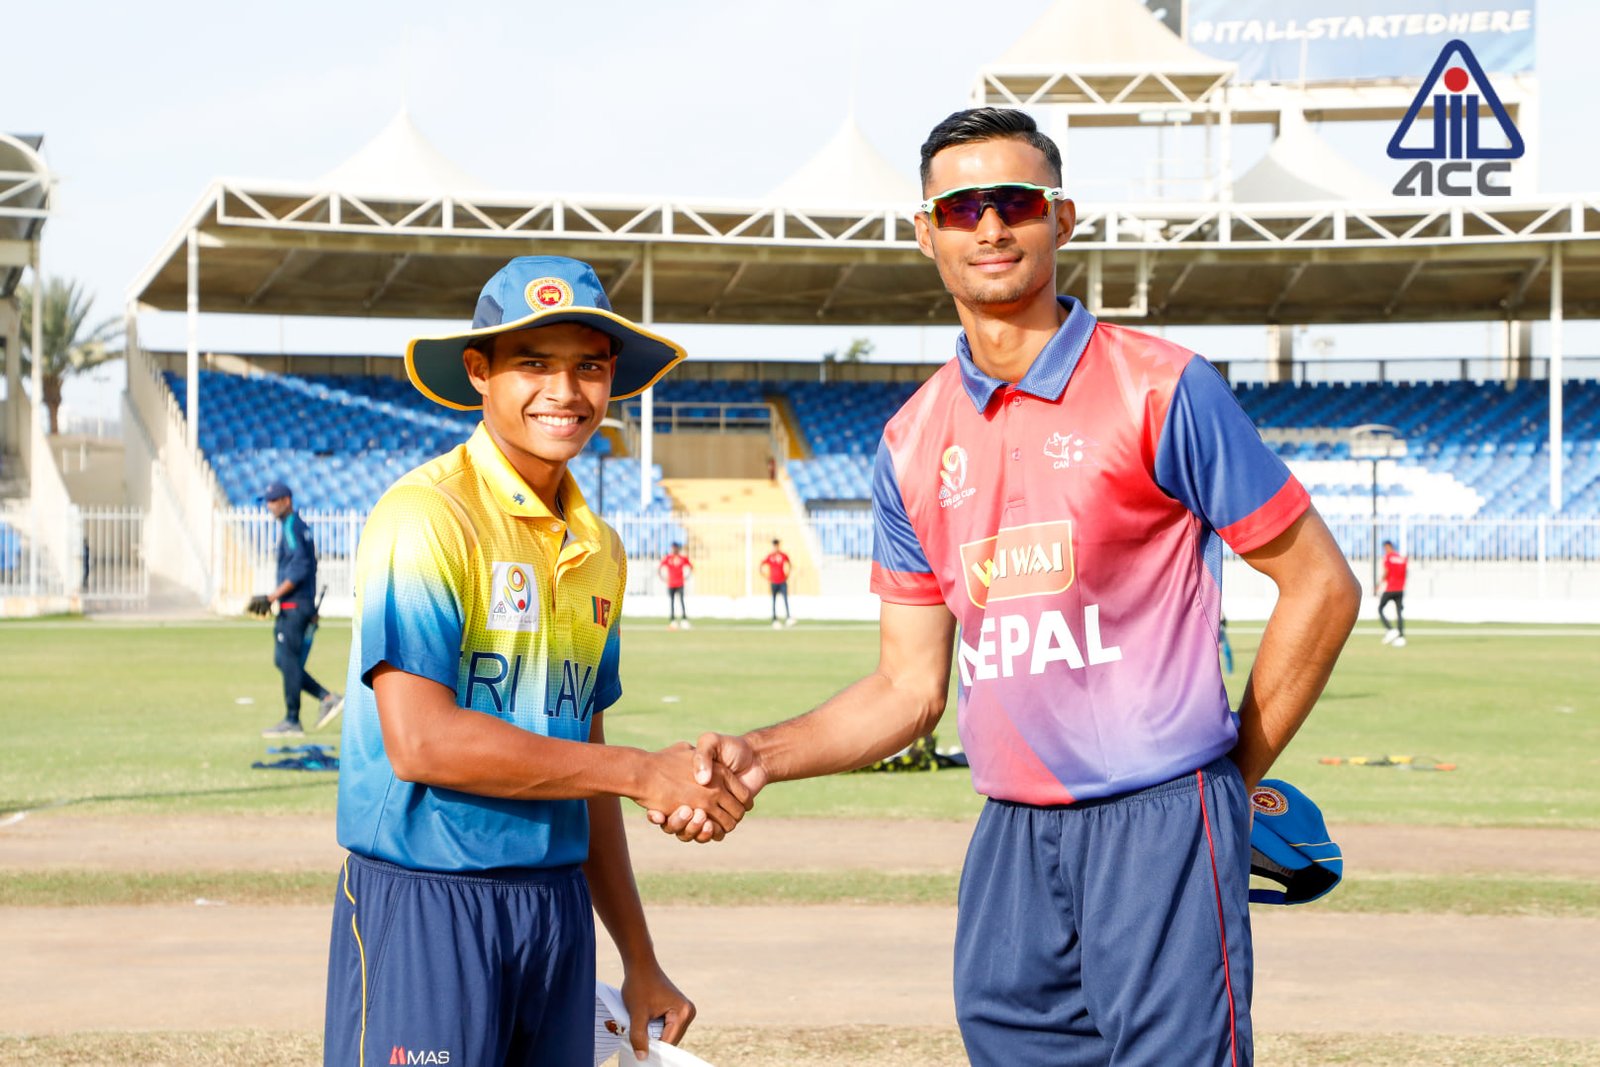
{"x": 1291, "y": 41}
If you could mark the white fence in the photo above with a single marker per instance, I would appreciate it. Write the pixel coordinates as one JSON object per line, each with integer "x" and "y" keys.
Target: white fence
{"x": 115, "y": 560}
{"x": 1536, "y": 540}
{"x": 95, "y": 554}
{"x": 832, "y": 551}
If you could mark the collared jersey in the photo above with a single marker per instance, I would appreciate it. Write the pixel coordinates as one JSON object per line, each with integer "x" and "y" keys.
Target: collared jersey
{"x": 465, "y": 578}
{"x": 1073, "y": 523}
{"x": 776, "y": 567}
{"x": 297, "y": 557}
{"x": 1394, "y": 572}
{"x": 677, "y": 566}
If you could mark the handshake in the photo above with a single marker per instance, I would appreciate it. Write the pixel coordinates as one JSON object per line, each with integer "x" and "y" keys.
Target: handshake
{"x": 700, "y": 792}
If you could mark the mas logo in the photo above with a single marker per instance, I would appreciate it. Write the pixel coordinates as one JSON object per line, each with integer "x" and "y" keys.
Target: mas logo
{"x": 401, "y": 1054}
{"x": 1454, "y": 155}
{"x": 953, "y": 488}
{"x": 513, "y": 602}
{"x": 543, "y": 294}
{"x": 1019, "y": 561}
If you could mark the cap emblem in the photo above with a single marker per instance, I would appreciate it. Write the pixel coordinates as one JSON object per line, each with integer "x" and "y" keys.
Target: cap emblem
{"x": 543, "y": 294}
{"x": 1268, "y": 801}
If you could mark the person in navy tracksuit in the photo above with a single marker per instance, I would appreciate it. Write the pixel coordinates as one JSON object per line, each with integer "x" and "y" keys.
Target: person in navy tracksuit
{"x": 295, "y": 596}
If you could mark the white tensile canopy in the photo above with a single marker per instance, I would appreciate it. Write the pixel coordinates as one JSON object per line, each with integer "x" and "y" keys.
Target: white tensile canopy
{"x": 1302, "y": 166}
{"x": 807, "y": 254}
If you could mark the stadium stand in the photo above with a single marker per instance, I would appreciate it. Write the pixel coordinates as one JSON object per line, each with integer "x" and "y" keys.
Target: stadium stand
{"x": 1475, "y": 450}
{"x": 341, "y": 440}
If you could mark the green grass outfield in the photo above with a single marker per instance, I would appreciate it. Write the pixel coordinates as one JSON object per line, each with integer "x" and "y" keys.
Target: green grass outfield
{"x": 111, "y": 718}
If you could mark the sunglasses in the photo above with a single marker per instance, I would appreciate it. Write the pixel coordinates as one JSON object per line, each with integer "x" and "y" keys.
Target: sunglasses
{"x": 1014, "y": 202}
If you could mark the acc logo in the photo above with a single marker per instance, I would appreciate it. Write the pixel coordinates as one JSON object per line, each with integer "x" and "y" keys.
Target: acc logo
{"x": 1019, "y": 561}
{"x": 544, "y": 294}
{"x": 1268, "y": 801}
{"x": 953, "y": 488}
{"x": 1456, "y": 88}
{"x": 513, "y": 602}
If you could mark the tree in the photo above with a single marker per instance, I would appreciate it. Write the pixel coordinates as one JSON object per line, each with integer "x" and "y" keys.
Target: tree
{"x": 69, "y": 346}
{"x": 856, "y": 351}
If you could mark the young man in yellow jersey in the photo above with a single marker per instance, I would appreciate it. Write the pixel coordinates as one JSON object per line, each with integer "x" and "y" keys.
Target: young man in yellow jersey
{"x": 477, "y": 799}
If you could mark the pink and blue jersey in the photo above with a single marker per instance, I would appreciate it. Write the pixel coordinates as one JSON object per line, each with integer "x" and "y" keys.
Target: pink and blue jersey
{"x": 1073, "y": 522}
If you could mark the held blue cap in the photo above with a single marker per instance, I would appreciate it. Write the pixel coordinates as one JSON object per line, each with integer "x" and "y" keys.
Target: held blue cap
{"x": 1290, "y": 846}
{"x": 534, "y": 291}
{"x": 275, "y": 491}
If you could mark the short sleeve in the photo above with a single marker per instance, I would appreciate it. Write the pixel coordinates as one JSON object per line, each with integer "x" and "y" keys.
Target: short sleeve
{"x": 608, "y": 679}
{"x": 410, "y": 575}
{"x": 1212, "y": 460}
{"x": 900, "y": 570}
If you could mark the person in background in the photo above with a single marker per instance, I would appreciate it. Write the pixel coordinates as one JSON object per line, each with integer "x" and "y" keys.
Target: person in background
{"x": 675, "y": 568}
{"x": 295, "y": 596}
{"x": 776, "y": 568}
{"x": 1394, "y": 592}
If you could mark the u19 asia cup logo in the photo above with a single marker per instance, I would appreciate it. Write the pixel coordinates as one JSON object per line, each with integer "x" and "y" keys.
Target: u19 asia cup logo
{"x": 953, "y": 487}
{"x": 1019, "y": 561}
{"x": 1459, "y": 153}
{"x": 513, "y": 601}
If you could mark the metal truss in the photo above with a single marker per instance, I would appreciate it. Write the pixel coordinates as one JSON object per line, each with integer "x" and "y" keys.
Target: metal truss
{"x": 1390, "y": 224}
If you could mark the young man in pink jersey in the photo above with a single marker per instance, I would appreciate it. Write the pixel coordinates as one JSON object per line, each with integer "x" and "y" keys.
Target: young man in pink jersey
{"x": 1061, "y": 491}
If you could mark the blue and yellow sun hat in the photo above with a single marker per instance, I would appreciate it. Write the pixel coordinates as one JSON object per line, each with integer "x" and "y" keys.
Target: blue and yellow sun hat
{"x": 539, "y": 291}
{"x": 1290, "y": 848}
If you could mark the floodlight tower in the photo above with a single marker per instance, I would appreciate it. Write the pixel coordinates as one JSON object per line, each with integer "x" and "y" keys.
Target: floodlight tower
{"x": 1375, "y": 442}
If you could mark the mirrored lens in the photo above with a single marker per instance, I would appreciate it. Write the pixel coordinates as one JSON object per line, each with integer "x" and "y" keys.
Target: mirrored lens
{"x": 963, "y": 210}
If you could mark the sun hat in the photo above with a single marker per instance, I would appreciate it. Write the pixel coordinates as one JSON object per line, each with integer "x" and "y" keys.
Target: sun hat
{"x": 539, "y": 291}
{"x": 1290, "y": 846}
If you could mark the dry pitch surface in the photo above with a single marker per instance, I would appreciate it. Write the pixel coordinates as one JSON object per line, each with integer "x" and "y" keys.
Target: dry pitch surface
{"x": 857, "y": 984}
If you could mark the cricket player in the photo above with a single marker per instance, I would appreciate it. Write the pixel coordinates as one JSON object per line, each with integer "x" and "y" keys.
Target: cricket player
{"x": 477, "y": 798}
{"x": 1061, "y": 491}
{"x": 1394, "y": 592}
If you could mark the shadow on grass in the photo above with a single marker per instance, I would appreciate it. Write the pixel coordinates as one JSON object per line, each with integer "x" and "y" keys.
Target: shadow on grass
{"x": 11, "y": 807}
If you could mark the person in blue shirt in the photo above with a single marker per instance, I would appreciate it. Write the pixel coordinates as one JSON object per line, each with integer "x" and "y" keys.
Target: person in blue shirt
{"x": 295, "y": 596}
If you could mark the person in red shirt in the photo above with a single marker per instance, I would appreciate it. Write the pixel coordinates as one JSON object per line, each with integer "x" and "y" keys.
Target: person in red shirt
{"x": 776, "y": 569}
{"x": 675, "y": 569}
{"x": 1394, "y": 592}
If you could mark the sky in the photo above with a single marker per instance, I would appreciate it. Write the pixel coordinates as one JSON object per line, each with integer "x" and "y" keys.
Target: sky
{"x": 142, "y": 106}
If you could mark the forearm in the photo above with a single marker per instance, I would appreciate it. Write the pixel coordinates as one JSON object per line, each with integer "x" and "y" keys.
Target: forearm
{"x": 1299, "y": 646}
{"x": 871, "y": 719}
{"x": 462, "y": 749}
{"x": 611, "y": 884}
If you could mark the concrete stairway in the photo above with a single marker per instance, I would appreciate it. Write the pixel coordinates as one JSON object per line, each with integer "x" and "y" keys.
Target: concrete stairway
{"x": 725, "y": 548}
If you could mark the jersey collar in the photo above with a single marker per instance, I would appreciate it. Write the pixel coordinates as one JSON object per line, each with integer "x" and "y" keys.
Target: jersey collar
{"x": 514, "y": 496}
{"x": 1047, "y": 376}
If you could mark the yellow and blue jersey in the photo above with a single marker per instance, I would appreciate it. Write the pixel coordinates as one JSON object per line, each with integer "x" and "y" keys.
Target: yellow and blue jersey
{"x": 465, "y": 578}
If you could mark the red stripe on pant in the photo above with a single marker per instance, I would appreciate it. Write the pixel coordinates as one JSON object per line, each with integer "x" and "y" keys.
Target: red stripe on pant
{"x": 1222, "y": 926}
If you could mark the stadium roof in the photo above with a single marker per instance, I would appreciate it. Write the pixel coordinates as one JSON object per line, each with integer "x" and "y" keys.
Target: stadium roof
{"x": 848, "y": 171}
{"x": 1109, "y": 58}
{"x": 399, "y": 161}
{"x": 1302, "y": 166}
{"x": 278, "y": 249}
{"x": 24, "y": 204}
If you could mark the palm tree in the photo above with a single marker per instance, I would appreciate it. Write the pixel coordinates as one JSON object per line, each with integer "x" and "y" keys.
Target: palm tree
{"x": 68, "y": 349}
